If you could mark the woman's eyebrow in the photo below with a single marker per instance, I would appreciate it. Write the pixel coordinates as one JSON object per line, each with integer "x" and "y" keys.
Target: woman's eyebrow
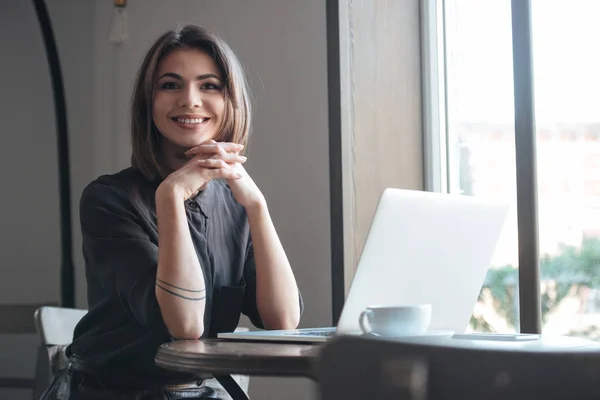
{"x": 180, "y": 78}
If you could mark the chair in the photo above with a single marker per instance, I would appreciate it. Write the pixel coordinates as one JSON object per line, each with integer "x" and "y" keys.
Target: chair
{"x": 355, "y": 369}
{"x": 55, "y": 327}
{"x": 433, "y": 371}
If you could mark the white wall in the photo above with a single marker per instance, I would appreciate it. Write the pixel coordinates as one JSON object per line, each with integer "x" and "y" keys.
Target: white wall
{"x": 29, "y": 241}
{"x": 29, "y": 231}
{"x": 282, "y": 45}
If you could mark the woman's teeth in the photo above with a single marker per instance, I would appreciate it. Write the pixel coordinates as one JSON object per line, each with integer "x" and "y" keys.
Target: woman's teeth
{"x": 191, "y": 121}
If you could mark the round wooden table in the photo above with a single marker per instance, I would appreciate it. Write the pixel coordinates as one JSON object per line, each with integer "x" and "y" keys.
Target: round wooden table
{"x": 222, "y": 358}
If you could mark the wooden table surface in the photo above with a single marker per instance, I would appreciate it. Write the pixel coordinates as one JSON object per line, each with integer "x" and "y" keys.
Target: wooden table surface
{"x": 215, "y": 356}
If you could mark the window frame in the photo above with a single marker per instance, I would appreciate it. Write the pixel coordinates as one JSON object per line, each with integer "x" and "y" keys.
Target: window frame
{"x": 433, "y": 62}
{"x": 438, "y": 159}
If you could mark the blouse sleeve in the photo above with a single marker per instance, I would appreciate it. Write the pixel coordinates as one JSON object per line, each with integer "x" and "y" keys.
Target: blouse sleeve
{"x": 119, "y": 253}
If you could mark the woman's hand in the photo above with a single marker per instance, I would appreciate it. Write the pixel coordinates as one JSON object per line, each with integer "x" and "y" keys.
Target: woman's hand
{"x": 243, "y": 188}
{"x": 208, "y": 161}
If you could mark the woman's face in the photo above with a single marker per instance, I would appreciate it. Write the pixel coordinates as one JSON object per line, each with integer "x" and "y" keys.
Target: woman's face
{"x": 188, "y": 103}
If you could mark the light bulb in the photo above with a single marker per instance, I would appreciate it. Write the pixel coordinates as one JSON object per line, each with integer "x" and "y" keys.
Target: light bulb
{"x": 118, "y": 29}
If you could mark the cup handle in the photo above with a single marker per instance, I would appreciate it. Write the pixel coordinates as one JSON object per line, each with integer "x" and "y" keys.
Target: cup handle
{"x": 363, "y": 321}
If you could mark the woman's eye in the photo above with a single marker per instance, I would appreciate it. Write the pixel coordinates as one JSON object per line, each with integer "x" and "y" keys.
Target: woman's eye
{"x": 169, "y": 86}
{"x": 211, "y": 86}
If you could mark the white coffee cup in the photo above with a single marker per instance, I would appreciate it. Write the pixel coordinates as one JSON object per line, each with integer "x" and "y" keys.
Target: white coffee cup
{"x": 391, "y": 321}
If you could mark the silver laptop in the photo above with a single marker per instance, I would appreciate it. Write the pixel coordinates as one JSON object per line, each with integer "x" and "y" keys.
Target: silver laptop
{"x": 422, "y": 247}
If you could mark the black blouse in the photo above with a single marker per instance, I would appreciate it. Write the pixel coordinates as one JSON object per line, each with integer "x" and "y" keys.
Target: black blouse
{"x": 124, "y": 327}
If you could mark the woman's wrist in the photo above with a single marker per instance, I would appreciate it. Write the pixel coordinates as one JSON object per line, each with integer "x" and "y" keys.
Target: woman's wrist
{"x": 257, "y": 209}
{"x": 168, "y": 193}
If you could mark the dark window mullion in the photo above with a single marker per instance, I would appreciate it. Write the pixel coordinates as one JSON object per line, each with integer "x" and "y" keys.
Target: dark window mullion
{"x": 525, "y": 137}
{"x": 335, "y": 159}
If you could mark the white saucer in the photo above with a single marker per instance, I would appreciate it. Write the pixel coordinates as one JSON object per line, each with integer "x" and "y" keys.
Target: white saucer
{"x": 426, "y": 334}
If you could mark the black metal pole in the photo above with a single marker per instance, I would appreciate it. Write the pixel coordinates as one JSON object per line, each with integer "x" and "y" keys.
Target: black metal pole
{"x": 525, "y": 138}
{"x": 67, "y": 273}
{"x": 335, "y": 159}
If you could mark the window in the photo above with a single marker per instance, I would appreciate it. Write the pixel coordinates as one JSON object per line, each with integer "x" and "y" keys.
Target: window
{"x": 472, "y": 151}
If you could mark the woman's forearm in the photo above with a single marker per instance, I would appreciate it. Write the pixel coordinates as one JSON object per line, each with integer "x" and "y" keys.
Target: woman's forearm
{"x": 180, "y": 286}
{"x": 276, "y": 289}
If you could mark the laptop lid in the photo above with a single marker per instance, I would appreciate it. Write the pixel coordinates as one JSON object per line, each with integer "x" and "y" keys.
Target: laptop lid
{"x": 425, "y": 247}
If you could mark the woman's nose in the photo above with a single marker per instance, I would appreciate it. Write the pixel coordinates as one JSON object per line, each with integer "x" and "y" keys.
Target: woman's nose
{"x": 190, "y": 98}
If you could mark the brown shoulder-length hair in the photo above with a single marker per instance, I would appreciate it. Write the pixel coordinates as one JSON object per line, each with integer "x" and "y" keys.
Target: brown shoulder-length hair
{"x": 145, "y": 138}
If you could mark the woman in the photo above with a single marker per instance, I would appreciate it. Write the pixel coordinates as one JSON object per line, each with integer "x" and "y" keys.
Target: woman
{"x": 180, "y": 243}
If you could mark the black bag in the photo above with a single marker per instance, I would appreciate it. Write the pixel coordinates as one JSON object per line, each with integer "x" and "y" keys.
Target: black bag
{"x": 72, "y": 384}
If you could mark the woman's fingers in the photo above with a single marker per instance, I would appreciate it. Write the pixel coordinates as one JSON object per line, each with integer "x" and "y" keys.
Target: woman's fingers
{"x": 223, "y": 173}
{"x": 230, "y": 158}
{"x": 217, "y": 168}
{"x": 212, "y": 163}
{"x": 212, "y": 147}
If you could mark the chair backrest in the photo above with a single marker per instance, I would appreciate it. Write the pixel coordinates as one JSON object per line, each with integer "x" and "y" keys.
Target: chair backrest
{"x": 352, "y": 369}
{"x": 55, "y": 325}
{"x": 365, "y": 366}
